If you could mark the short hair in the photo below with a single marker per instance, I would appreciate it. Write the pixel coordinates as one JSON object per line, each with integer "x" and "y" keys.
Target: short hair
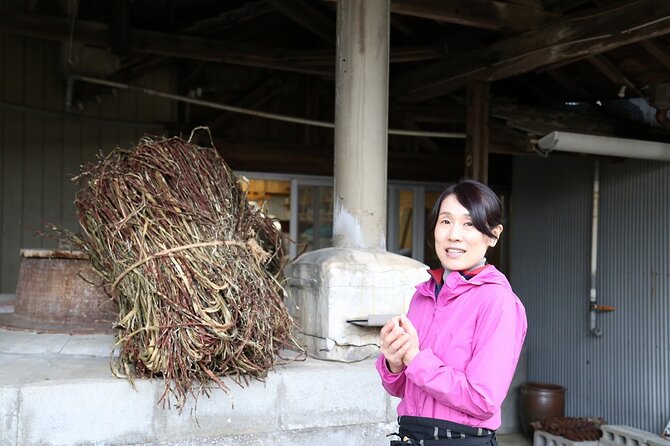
{"x": 480, "y": 201}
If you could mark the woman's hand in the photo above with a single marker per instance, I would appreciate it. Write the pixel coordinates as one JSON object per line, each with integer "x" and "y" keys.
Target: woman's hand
{"x": 412, "y": 342}
{"x": 393, "y": 342}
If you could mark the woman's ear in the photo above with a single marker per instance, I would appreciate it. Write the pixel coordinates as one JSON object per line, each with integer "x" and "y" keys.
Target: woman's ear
{"x": 496, "y": 231}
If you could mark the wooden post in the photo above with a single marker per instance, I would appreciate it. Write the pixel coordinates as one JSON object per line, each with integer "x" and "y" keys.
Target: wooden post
{"x": 477, "y": 132}
{"x": 361, "y": 124}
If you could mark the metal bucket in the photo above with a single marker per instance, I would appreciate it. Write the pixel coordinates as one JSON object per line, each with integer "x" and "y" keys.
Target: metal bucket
{"x": 57, "y": 292}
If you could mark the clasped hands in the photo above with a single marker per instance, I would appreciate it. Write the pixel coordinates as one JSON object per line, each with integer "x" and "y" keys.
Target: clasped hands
{"x": 399, "y": 343}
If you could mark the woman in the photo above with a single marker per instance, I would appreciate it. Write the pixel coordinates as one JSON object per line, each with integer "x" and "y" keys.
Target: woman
{"x": 452, "y": 358}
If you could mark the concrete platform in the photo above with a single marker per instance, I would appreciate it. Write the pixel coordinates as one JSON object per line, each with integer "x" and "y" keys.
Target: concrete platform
{"x": 57, "y": 389}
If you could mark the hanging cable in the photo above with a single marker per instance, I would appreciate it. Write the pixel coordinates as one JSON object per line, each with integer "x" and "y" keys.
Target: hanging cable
{"x": 246, "y": 111}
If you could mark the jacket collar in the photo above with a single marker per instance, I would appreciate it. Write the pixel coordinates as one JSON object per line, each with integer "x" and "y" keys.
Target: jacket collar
{"x": 455, "y": 284}
{"x": 438, "y": 273}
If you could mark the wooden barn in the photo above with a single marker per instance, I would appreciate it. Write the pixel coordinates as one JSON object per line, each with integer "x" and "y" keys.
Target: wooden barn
{"x": 561, "y": 106}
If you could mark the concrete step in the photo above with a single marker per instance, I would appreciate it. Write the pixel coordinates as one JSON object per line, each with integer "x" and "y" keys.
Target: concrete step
{"x": 57, "y": 389}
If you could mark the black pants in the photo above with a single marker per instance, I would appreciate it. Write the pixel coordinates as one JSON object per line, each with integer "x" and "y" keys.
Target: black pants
{"x": 422, "y": 431}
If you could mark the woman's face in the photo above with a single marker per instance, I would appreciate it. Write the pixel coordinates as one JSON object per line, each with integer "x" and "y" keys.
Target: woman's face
{"x": 458, "y": 244}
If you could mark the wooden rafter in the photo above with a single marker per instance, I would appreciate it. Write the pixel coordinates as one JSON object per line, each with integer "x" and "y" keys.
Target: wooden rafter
{"x": 585, "y": 34}
{"x": 605, "y": 66}
{"x": 157, "y": 43}
{"x": 485, "y": 14}
{"x": 253, "y": 99}
{"x": 660, "y": 52}
{"x": 477, "y": 129}
{"x": 308, "y": 17}
{"x": 318, "y": 62}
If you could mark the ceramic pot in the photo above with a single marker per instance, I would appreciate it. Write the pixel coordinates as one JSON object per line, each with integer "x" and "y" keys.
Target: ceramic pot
{"x": 539, "y": 401}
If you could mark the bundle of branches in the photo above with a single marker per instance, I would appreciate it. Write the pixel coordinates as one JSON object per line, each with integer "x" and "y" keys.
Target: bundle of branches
{"x": 572, "y": 428}
{"x": 194, "y": 268}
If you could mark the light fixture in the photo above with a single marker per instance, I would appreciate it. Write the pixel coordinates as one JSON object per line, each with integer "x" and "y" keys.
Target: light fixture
{"x": 604, "y": 145}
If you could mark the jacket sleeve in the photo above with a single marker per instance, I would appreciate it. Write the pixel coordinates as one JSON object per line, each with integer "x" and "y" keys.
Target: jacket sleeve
{"x": 394, "y": 383}
{"x": 480, "y": 389}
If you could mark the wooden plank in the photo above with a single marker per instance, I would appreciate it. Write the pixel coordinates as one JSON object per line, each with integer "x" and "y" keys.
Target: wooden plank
{"x": 485, "y": 14}
{"x": 12, "y": 175}
{"x": 585, "y": 34}
{"x": 33, "y": 148}
{"x": 157, "y": 43}
{"x": 477, "y": 131}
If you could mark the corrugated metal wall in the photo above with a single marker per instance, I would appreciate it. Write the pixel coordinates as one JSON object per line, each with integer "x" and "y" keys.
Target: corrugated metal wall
{"x": 40, "y": 152}
{"x": 624, "y": 375}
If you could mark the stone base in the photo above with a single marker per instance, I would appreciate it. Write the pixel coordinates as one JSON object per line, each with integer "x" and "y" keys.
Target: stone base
{"x": 619, "y": 435}
{"x": 328, "y": 287}
{"x": 542, "y": 438}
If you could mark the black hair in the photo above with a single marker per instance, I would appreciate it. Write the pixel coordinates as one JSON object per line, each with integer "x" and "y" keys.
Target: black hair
{"x": 480, "y": 201}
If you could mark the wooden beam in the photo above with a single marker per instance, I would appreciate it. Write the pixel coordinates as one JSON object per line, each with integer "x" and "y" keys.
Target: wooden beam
{"x": 485, "y": 14}
{"x": 157, "y": 43}
{"x": 423, "y": 141}
{"x": 268, "y": 156}
{"x": 585, "y": 34}
{"x": 660, "y": 52}
{"x": 308, "y": 17}
{"x": 318, "y": 62}
{"x": 477, "y": 131}
{"x": 253, "y": 99}
{"x": 506, "y": 140}
{"x": 564, "y": 5}
{"x": 540, "y": 121}
{"x": 605, "y": 66}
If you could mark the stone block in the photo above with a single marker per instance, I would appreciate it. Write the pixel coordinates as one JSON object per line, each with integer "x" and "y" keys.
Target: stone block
{"x": 90, "y": 412}
{"x": 659, "y": 441}
{"x": 326, "y": 394}
{"x": 9, "y": 408}
{"x": 350, "y": 435}
{"x": 542, "y": 438}
{"x": 240, "y": 410}
{"x": 328, "y": 287}
{"x": 618, "y": 435}
{"x": 89, "y": 345}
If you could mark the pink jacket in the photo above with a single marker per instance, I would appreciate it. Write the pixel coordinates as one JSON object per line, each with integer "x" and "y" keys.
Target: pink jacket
{"x": 470, "y": 339}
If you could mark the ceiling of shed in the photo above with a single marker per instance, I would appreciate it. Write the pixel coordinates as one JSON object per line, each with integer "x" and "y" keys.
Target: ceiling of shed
{"x": 592, "y": 66}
